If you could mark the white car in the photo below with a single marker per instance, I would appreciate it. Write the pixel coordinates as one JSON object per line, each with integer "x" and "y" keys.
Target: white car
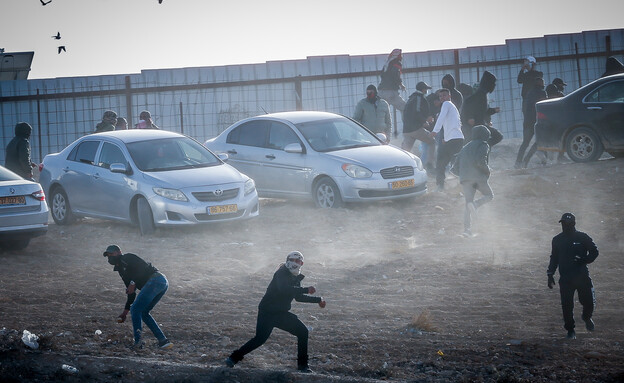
{"x": 324, "y": 155}
{"x": 23, "y": 210}
{"x": 148, "y": 177}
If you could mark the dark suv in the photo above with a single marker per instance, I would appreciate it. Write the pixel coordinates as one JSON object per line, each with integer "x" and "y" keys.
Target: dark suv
{"x": 586, "y": 122}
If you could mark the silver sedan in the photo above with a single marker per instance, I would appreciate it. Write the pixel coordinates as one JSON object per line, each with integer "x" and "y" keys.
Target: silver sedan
{"x": 148, "y": 177}
{"x": 324, "y": 155}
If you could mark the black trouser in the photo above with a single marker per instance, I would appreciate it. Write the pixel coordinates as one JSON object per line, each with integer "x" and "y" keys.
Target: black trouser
{"x": 582, "y": 284}
{"x": 446, "y": 152}
{"x": 528, "y": 130}
{"x": 286, "y": 321}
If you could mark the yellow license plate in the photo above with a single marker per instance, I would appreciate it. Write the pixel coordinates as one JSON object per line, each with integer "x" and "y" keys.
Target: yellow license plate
{"x": 222, "y": 209}
{"x": 402, "y": 184}
{"x": 13, "y": 200}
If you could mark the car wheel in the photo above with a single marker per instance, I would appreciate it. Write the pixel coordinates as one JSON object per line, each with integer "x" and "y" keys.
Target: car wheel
{"x": 583, "y": 145}
{"x": 60, "y": 209}
{"x": 145, "y": 217}
{"x": 326, "y": 194}
{"x": 18, "y": 244}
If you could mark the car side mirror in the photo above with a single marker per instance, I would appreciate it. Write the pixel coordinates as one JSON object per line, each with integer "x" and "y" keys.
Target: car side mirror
{"x": 293, "y": 148}
{"x": 119, "y": 168}
{"x": 223, "y": 157}
{"x": 382, "y": 137}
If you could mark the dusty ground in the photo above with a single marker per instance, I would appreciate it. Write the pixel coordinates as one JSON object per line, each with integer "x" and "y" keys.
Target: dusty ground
{"x": 485, "y": 311}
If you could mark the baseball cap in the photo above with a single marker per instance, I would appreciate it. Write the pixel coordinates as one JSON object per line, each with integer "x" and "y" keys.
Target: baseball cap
{"x": 371, "y": 87}
{"x": 558, "y": 81}
{"x": 422, "y": 86}
{"x": 568, "y": 217}
{"x": 111, "y": 249}
{"x": 531, "y": 59}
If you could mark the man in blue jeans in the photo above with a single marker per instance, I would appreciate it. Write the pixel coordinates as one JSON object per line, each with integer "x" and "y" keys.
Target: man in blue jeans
{"x": 139, "y": 275}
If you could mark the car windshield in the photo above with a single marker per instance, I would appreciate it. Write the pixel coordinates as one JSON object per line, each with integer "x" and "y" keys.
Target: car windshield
{"x": 7, "y": 175}
{"x": 336, "y": 134}
{"x": 171, "y": 154}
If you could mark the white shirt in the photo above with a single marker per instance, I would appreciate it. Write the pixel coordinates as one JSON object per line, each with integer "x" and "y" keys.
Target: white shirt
{"x": 449, "y": 119}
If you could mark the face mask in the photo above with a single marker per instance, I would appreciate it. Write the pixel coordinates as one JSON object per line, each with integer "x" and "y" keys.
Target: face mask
{"x": 112, "y": 260}
{"x": 294, "y": 261}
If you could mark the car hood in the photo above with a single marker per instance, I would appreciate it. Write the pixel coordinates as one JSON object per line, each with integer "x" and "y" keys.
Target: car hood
{"x": 180, "y": 179}
{"x": 374, "y": 158}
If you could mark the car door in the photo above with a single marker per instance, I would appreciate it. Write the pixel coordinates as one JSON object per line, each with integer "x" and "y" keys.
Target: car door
{"x": 605, "y": 109}
{"x": 245, "y": 146}
{"x": 112, "y": 192}
{"x": 76, "y": 177}
{"x": 285, "y": 172}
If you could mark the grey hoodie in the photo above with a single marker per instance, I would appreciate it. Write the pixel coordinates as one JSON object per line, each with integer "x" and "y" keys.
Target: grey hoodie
{"x": 474, "y": 156}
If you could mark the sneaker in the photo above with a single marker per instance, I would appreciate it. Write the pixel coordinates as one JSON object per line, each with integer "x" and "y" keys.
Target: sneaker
{"x": 137, "y": 345}
{"x": 518, "y": 165}
{"x": 571, "y": 334}
{"x": 467, "y": 233}
{"x": 472, "y": 208}
{"x": 230, "y": 362}
{"x": 589, "y": 325}
{"x": 165, "y": 344}
{"x": 304, "y": 369}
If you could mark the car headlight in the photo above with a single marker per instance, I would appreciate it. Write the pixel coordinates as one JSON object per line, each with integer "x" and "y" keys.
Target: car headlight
{"x": 356, "y": 171}
{"x": 250, "y": 186}
{"x": 173, "y": 194}
{"x": 419, "y": 164}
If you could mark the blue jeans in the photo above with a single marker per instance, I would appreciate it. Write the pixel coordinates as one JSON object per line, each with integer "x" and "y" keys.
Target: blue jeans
{"x": 145, "y": 301}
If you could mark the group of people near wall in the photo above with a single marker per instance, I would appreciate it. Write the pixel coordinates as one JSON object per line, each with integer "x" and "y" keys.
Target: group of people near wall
{"x": 111, "y": 122}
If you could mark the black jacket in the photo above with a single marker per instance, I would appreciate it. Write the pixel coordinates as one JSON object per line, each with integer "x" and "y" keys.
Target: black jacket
{"x": 17, "y": 155}
{"x": 456, "y": 97}
{"x": 285, "y": 287}
{"x": 553, "y": 92}
{"x": 565, "y": 248}
{"x": 416, "y": 112}
{"x": 527, "y": 79}
{"x": 391, "y": 77}
{"x": 132, "y": 268}
{"x": 536, "y": 94}
{"x": 476, "y": 106}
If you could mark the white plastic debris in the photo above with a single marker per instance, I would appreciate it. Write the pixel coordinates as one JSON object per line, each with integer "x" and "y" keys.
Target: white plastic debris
{"x": 70, "y": 369}
{"x": 98, "y": 332}
{"x": 30, "y": 339}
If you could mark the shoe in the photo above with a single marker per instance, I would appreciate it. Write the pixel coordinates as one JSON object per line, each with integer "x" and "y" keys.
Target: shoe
{"x": 571, "y": 334}
{"x": 229, "y": 362}
{"x": 304, "y": 369}
{"x": 440, "y": 189}
{"x": 589, "y": 325}
{"x": 518, "y": 165}
{"x": 165, "y": 344}
{"x": 467, "y": 233}
{"x": 472, "y": 208}
{"x": 137, "y": 345}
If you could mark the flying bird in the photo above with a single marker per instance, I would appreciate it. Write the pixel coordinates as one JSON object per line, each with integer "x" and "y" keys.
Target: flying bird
{"x": 61, "y": 48}
{"x": 58, "y": 36}
{"x": 45, "y": 2}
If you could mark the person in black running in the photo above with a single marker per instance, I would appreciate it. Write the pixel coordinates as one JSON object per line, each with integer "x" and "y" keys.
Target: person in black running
{"x": 572, "y": 251}
{"x": 273, "y": 311}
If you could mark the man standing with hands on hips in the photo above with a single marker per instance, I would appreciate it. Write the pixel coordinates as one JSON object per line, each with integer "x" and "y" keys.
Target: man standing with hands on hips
{"x": 139, "y": 275}
{"x": 572, "y": 251}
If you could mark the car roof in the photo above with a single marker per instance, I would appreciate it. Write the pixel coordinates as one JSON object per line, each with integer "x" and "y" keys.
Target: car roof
{"x": 134, "y": 135}
{"x": 297, "y": 117}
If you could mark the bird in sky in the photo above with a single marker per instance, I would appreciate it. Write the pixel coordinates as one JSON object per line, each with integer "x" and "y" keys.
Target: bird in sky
{"x": 61, "y": 48}
{"x": 58, "y": 36}
{"x": 45, "y": 2}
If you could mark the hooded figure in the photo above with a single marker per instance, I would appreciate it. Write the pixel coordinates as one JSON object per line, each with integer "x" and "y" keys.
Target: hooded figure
{"x": 391, "y": 82}
{"x": 109, "y": 120}
{"x": 613, "y": 66}
{"x": 17, "y": 157}
{"x": 374, "y": 112}
{"x": 475, "y": 110}
{"x": 448, "y": 82}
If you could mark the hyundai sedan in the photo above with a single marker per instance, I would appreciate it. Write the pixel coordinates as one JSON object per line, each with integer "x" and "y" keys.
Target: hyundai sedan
{"x": 326, "y": 156}
{"x": 23, "y": 210}
{"x": 586, "y": 122}
{"x": 147, "y": 177}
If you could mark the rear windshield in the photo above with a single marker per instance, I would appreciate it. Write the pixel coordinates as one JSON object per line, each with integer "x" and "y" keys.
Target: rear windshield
{"x": 171, "y": 154}
{"x": 7, "y": 175}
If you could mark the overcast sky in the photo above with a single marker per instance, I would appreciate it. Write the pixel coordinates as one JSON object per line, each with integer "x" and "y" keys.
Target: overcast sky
{"x": 126, "y": 36}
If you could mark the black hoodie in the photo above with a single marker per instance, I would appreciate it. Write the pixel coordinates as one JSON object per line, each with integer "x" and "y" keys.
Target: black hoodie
{"x": 17, "y": 158}
{"x": 285, "y": 287}
{"x": 476, "y": 106}
{"x": 456, "y": 96}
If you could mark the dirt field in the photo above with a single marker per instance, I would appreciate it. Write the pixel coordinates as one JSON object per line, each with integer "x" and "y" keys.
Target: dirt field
{"x": 485, "y": 311}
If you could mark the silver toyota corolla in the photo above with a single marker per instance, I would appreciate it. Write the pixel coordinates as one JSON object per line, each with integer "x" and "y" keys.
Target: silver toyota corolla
{"x": 323, "y": 155}
{"x": 148, "y": 177}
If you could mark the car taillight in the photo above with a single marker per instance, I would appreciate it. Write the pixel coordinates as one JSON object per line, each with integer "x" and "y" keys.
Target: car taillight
{"x": 40, "y": 167}
{"x": 40, "y": 195}
{"x": 541, "y": 116}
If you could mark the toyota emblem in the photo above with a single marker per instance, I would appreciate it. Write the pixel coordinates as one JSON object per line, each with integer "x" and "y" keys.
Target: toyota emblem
{"x": 218, "y": 192}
